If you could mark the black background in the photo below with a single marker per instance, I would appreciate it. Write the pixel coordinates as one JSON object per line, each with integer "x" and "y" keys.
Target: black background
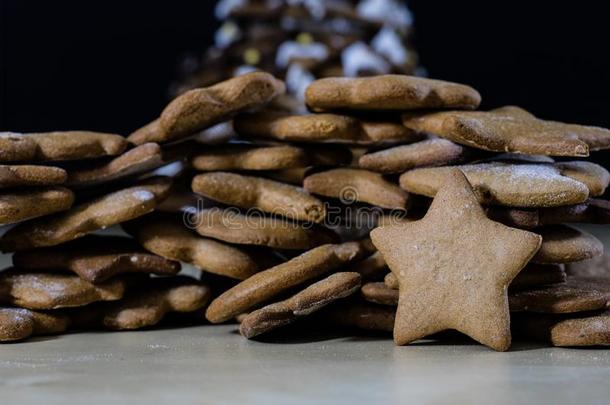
{"x": 106, "y": 65}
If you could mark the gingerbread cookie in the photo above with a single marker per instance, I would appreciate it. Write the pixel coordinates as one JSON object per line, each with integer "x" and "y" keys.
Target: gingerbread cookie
{"x": 168, "y": 237}
{"x": 558, "y": 298}
{"x": 432, "y": 152}
{"x": 595, "y": 177}
{"x": 254, "y": 192}
{"x": 311, "y": 299}
{"x": 16, "y": 147}
{"x": 598, "y": 266}
{"x": 586, "y": 330}
{"x": 141, "y": 159}
{"x": 371, "y": 268}
{"x": 96, "y": 258}
{"x": 267, "y": 284}
{"x": 536, "y": 275}
{"x": 328, "y": 128}
{"x": 440, "y": 290}
{"x": 100, "y": 213}
{"x": 19, "y": 205}
{"x": 564, "y": 244}
{"x": 20, "y": 323}
{"x": 291, "y": 176}
{"x": 231, "y": 226}
{"x": 70, "y": 145}
{"x": 520, "y": 185}
{"x": 38, "y": 290}
{"x": 350, "y": 185}
{"x": 362, "y": 316}
{"x": 592, "y": 211}
{"x": 249, "y": 157}
{"x": 198, "y": 109}
{"x": 147, "y": 306}
{"x": 511, "y": 129}
{"x": 388, "y": 92}
{"x": 379, "y": 293}
{"x": 30, "y": 175}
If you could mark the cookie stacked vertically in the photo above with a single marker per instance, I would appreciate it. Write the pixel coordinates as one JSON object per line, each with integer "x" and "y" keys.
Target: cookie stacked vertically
{"x": 465, "y": 234}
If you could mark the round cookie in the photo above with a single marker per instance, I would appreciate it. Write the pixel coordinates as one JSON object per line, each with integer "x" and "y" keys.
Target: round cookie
{"x": 564, "y": 244}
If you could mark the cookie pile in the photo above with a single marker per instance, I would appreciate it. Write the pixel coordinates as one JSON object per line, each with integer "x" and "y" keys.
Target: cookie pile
{"x": 394, "y": 205}
{"x": 300, "y": 40}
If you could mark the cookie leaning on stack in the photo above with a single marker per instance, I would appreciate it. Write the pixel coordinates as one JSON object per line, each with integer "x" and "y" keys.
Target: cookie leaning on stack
{"x": 277, "y": 219}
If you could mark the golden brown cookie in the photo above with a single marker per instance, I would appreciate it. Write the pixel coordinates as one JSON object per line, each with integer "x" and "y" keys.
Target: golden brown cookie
{"x": 585, "y": 330}
{"x": 362, "y": 316}
{"x": 592, "y": 211}
{"x": 432, "y": 152}
{"x": 520, "y": 185}
{"x": 593, "y": 175}
{"x": 100, "y": 213}
{"x": 558, "y": 298}
{"x": 388, "y": 92}
{"x": 16, "y": 147}
{"x": 31, "y": 175}
{"x": 71, "y": 145}
{"x": 595, "y": 267}
{"x": 305, "y": 302}
{"x": 96, "y": 258}
{"x": 38, "y": 290}
{"x": 291, "y": 176}
{"x": 536, "y": 275}
{"x": 511, "y": 129}
{"x": 269, "y": 283}
{"x": 20, "y": 323}
{"x": 249, "y": 157}
{"x": 441, "y": 289}
{"x": 350, "y": 185}
{"x": 146, "y": 306}
{"x": 564, "y": 244}
{"x": 231, "y": 226}
{"x": 19, "y": 205}
{"x": 254, "y": 192}
{"x": 168, "y": 237}
{"x": 138, "y": 160}
{"x": 372, "y": 267}
{"x": 327, "y": 128}
{"x": 379, "y": 293}
{"x": 201, "y": 108}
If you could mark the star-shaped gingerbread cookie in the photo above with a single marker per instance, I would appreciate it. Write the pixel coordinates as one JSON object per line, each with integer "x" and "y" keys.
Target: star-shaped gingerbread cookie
{"x": 511, "y": 129}
{"x": 453, "y": 268}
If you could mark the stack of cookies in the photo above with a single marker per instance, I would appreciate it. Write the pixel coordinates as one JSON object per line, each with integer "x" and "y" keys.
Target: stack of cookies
{"x": 299, "y": 41}
{"x": 392, "y": 205}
